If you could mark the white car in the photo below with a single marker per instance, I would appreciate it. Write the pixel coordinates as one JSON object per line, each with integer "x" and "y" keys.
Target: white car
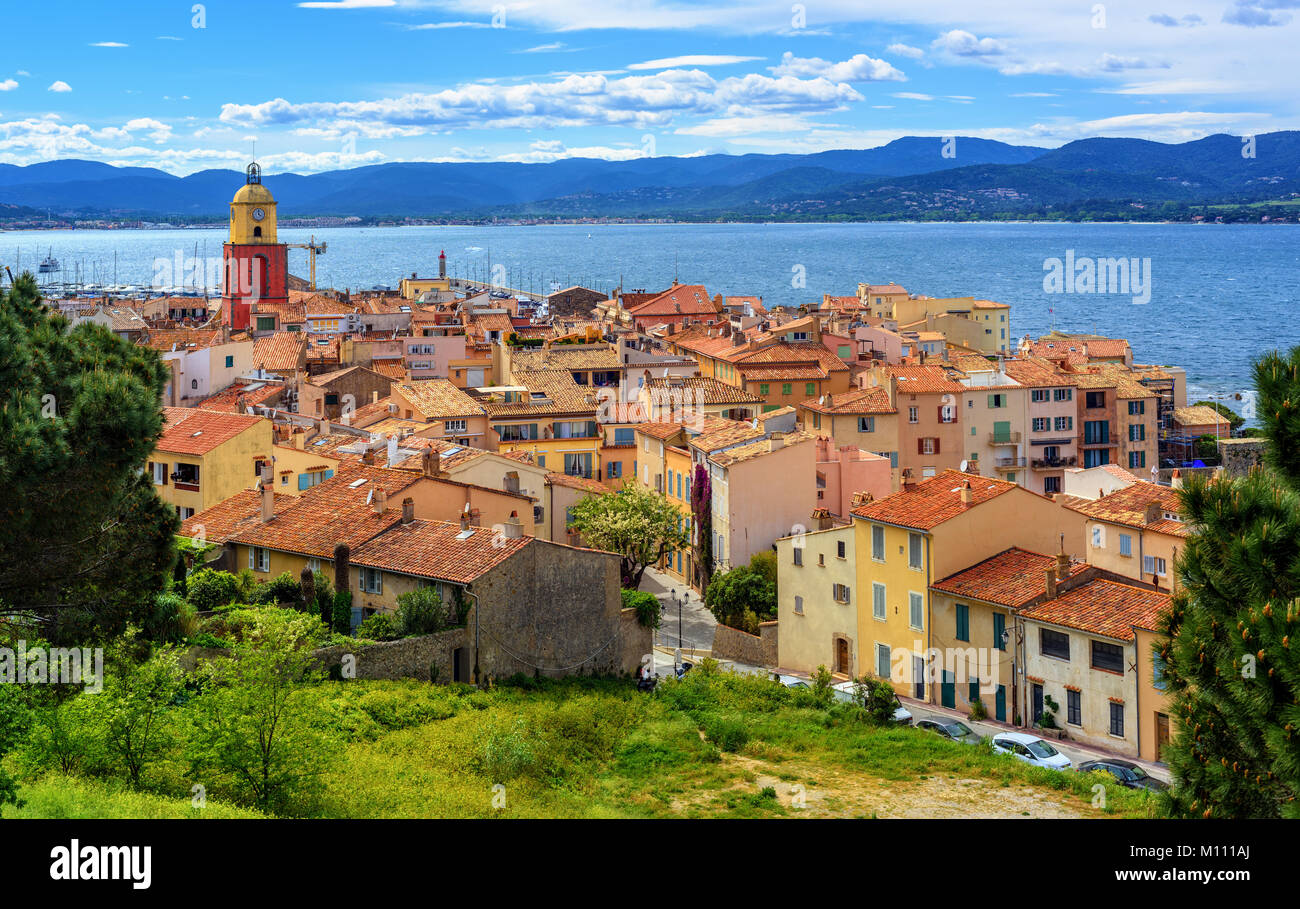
{"x": 1030, "y": 749}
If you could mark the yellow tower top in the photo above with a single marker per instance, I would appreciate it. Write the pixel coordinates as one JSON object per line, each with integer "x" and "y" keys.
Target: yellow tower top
{"x": 252, "y": 211}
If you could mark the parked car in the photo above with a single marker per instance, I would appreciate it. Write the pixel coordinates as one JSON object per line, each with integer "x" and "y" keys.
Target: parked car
{"x": 950, "y": 729}
{"x": 844, "y": 692}
{"x": 1126, "y": 773}
{"x": 1030, "y": 749}
{"x": 790, "y": 681}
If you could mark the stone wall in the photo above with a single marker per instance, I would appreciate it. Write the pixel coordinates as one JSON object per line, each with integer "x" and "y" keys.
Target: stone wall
{"x": 1240, "y": 456}
{"x": 428, "y": 658}
{"x": 637, "y": 641}
{"x": 741, "y": 647}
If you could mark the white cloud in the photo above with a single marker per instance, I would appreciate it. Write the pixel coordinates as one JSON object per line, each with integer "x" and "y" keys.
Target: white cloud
{"x": 433, "y": 26}
{"x": 691, "y": 60}
{"x": 912, "y": 96}
{"x": 8, "y": 85}
{"x": 905, "y": 50}
{"x": 543, "y": 48}
{"x": 545, "y": 150}
{"x": 963, "y": 44}
{"x": 1033, "y": 95}
{"x": 347, "y": 4}
{"x": 109, "y": 44}
{"x": 858, "y": 68}
{"x": 60, "y": 86}
{"x": 168, "y": 38}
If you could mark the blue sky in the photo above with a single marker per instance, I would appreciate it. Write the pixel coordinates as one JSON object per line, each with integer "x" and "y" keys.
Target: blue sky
{"x": 322, "y": 85}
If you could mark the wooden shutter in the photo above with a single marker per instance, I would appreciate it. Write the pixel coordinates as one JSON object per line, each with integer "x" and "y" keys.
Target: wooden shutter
{"x": 920, "y": 446}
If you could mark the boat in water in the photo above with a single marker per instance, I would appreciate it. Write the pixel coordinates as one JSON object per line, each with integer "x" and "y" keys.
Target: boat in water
{"x": 49, "y": 264}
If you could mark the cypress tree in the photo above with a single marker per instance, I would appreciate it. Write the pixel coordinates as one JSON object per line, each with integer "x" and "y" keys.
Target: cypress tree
{"x": 1232, "y": 657}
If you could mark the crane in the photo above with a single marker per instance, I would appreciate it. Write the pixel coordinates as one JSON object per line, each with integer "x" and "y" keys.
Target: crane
{"x": 313, "y": 249}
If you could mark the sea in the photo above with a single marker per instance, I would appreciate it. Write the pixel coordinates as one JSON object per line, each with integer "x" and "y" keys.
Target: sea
{"x": 1210, "y": 298}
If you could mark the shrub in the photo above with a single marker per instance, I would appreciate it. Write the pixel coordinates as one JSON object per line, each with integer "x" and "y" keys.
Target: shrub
{"x": 727, "y": 732}
{"x": 421, "y": 611}
{"x": 978, "y": 711}
{"x": 283, "y": 589}
{"x": 379, "y": 627}
{"x": 342, "y": 612}
{"x": 208, "y": 588}
{"x": 877, "y": 697}
{"x": 647, "y": 606}
{"x": 170, "y": 619}
{"x": 207, "y": 639}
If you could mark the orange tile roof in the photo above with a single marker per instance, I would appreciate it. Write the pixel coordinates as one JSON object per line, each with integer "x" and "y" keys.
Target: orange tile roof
{"x": 282, "y": 352}
{"x": 193, "y": 431}
{"x": 684, "y": 299}
{"x": 563, "y": 479}
{"x": 1036, "y": 373}
{"x": 223, "y": 520}
{"x": 758, "y": 448}
{"x": 1128, "y": 506}
{"x": 928, "y": 504}
{"x": 729, "y": 434}
{"x": 1199, "y": 415}
{"x": 333, "y": 512}
{"x": 227, "y": 401}
{"x": 434, "y": 549}
{"x": 1011, "y": 578}
{"x": 175, "y": 339}
{"x": 705, "y": 390}
{"x": 1102, "y": 607}
{"x": 438, "y": 399}
{"x": 856, "y": 401}
{"x": 924, "y": 380}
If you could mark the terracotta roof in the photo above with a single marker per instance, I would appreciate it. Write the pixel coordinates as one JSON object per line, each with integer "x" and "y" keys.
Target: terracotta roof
{"x": 731, "y": 433}
{"x": 924, "y": 380}
{"x": 335, "y": 511}
{"x": 569, "y": 357}
{"x": 1128, "y": 506}
{"x": 1103, "y": 607}
{"x": 289, "y": 313}
{"x": 323, "y": 347}
{"x": 551, "y": 392}
{"x": 223, "y": 520}
{"x": 438, "y": 399}
{"x": 704, "y": 390}
{"x": 321, "y": 305}
{"x": 1198, "y": 415}
{"x": 434, "y": 549}
{"x": 759, "y": 448}
{"x": 193, "y": 431}
{"x": 175, "y": 339}
{"x": 929, "y": 503}
{"x": 1036, "y": 373}
{"x": 253, "y": 394}
{"x": 282, "y": 352}
{"x": 563, "y": 479}
{"x": 1011, "y": 578}
{"x": 855, "y": 401}
{"x": 684, "y": 299}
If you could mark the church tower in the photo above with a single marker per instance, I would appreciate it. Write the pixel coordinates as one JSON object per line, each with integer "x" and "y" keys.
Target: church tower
{"x": 256, "y": 265}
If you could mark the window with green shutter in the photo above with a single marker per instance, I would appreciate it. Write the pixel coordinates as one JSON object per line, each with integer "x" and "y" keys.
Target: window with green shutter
{"x": 999, "y": 628}
{"x": 787, "y": 388}
{"x": 963, "y": 622}
{"x": 810, "y": 388}
{"x": 762, "y": 388}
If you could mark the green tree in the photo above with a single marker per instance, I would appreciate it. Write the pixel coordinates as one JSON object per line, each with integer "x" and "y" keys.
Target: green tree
{"x": 252, "y": 723}
{"x": 421, "y": 611}
{"x": 133, "y": 708}
{"x": 742, "y": 598}
{"x": 636, "y": 524}
{"x": 1231, "y": 668}
{"x": 85, "y": 541}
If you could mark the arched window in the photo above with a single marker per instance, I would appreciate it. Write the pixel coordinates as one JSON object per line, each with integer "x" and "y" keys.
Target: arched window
{"x": 194, "y": 383}
{"x": 257, "y": 231}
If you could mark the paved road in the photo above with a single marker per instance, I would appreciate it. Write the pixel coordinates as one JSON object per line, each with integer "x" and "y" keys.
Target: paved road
{"x": 697, "y": 623}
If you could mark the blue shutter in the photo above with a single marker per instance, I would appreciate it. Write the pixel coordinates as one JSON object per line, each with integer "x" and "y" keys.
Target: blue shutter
{"x": 302, "y": 481}
{"x": 328, "y": 474}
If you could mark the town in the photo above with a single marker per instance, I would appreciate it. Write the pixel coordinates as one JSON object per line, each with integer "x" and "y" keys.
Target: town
{"x": 987, "y": 524}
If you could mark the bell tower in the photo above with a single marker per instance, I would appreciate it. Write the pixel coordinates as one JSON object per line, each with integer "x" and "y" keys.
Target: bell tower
{"x": 256, "y": 264}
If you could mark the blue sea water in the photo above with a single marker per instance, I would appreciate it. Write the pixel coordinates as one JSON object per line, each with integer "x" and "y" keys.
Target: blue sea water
{"x": 1220, "y": 294}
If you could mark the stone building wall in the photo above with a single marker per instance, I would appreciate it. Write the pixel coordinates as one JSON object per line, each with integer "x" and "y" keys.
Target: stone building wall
{"x": 741, "y": 647}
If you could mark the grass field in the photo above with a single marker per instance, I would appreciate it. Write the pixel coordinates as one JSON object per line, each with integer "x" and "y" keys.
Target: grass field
{"x": 713, "y": 745}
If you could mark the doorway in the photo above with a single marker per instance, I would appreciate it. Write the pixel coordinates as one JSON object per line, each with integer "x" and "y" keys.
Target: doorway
{"x": 1162, "y": 735}
{"x": 1038, "y": 702}
{"x": 842, "y": 656}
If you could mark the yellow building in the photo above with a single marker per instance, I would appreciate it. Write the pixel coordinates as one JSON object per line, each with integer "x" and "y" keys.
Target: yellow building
{"x": 204, "y": 457}
{"x": 1135, "y": 532}
{"x": 817, "y": 607}
{"x": 663, "y": 463}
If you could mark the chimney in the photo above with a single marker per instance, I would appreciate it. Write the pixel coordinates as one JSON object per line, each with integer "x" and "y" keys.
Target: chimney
{"x": 392, "y": 448}
{"x": 430, "y": 462}
{"x": 1062, "y": 566}
{"x": 268, "y": 493}
{"x": 907, "y": 477}
{"x": 967, "y": 494}
{"x": 299, "y": 438}
{"x": 326, "y": 428}
{"x": 464, "y": 519}
{"x": 776, "y": 442}
{"x": 408, "y": 511}
{"x": 822, "y": 517}
{"x": 513, "y": 529}
{"x": 368, "y": 456}
{"x": 1051, "y": 583}
{"x": 379, "y": 502}
{"x": 374, "y": 397}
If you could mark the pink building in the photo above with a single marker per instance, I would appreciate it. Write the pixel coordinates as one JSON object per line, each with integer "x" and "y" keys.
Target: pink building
{"x": 429, "y": 357}
{"x": 846, "y": 470}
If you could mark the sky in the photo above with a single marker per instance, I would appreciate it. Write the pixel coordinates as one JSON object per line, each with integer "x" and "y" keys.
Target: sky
{"x": 327, "y": 84}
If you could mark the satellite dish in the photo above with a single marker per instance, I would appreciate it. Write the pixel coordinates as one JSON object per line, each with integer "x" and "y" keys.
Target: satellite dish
{"x": 964, "y": 465}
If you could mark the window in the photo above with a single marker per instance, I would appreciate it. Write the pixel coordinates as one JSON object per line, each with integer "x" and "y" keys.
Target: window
{"x": 1125, "y": 544}
{"x": 1109, "y": 657}
{"x": 866, "y": 424}
{"x": 798, "y": 605}
{"x": 999, "y": 629}
{"x": 259, "y": 559}
{"x": 878, "y": 601}
{"x": 810, "y": 388}
{"x": 1096, "y": 457}
{"x": 1117, "y": 719}
{"x": 614, "y": 470}
{"x": 762, "y": 388}
{"x": 913, "y": 415}
{"x": 186, "y": 476}
{"x": 1137, "y": 408}
{"x": 1098, "y": 536}
{"x": 821, "y": 559}
{"x": 878, "y": 542}
{"x": 787, "y": 388}
{"x": 840, "y": 592}
{"x": 996, "y": 401}
{"x": 1042, "y": 424}
{"x": 1137, "y": 459}
{"x": 266, "y": 323}
{"x": 1062, "y": 394}
{"x": 372, "y": 580}
{"x": 914, "y": 551}
{"x": 1153, "y": 565}
{"x": 1038, "y": 396}
{"x": 1053, "y": 644}
{"x": 1096, "y": 432}
{"x": 916, "y": 606}
{"x": 1051, "y": 485}
{"x": 798, "y": 555}
{"x": 230, "y": 362}
{"x": 947, "y": 414}
{"x": 1137, "y": 432}
{"x": 454, "y": 426}
{"x": 927, "y": 445}
{"x": 963, "y": 622}
{"x": 1074, "y": 708}
{"x": 839, "y": 549}
{"x": 1095, "y": 399}
{"x": 159, "y": 473}
{"x": 1064, "y": 424}
{"x": 1157, "y": 672}
{"x": 526, "y": 431}
{"x": 882, "y": 660}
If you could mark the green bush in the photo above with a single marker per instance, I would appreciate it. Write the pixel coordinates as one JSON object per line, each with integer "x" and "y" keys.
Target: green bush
{"x": 283, "y": 589}
{"x": 207, "y": 639}
{"x": 208, "y": 588}
{"x": 978, "y": 711}
{"x": 343, "y": 612}
{"x": 170, "y": 619}
{"x": 647, "y": 606}
{"x": 727, "y": 732}
{"x": 421, "y": 611}
{"x": 379, "y": 627}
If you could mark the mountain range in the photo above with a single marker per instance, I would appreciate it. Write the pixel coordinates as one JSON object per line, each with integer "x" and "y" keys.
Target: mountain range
{"x": 909, "y": 177}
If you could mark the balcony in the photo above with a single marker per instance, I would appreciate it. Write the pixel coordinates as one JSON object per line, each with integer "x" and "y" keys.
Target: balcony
{"x": 1053, "y": 463}
{"x": 1004, "y": 438}
{"x": 1009, "y": 462}
{"x": 1100, "y": 439}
